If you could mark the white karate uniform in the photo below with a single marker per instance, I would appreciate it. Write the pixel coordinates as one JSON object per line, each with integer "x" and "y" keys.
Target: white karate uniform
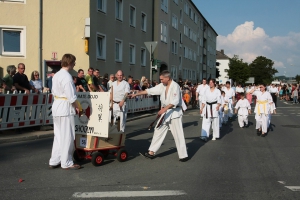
{"x": 63, "y": 112}
{"x": 273, "y": 108}
{"x": 200, "y": 90}
{"x": 221, "y": 112}
{"x": 208, "y": 119}
{"x": 172, "y": 118}
{"x": 243, "y": 106}
{"x": 262, "y": 110}
{"x": 229, "y": 93}
{"x": 239, "y": 89}
{"x": 119, "y": 92}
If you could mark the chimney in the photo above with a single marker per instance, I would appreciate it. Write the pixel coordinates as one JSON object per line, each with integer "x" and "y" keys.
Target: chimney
{"x": 222, "y": 51}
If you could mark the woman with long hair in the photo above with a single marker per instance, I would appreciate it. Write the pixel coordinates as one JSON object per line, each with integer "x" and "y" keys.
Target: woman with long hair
{"x": 36, "y": 82}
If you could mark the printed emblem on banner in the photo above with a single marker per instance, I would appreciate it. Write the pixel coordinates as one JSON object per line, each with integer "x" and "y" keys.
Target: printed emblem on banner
{"x": 83, "y": 142}
{"x": 86, "y": 112}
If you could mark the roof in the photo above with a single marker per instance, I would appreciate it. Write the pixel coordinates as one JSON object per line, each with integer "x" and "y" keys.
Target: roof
{"x": 221, "y": 56}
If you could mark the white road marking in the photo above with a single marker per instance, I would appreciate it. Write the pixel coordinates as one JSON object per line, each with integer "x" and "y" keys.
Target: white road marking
{"x": 282, "y": 182}
{"x": 293, "y": 188}
{"x": 154, "y": 193}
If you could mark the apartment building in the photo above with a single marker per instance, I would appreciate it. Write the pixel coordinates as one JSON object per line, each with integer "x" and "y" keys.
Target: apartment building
{"x": 223, "y": 61}
{"x": 108, "y": 35}
{"x": 186, "y": 41}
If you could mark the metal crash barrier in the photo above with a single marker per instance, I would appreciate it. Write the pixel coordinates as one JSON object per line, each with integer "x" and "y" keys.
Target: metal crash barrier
{"x": 22, "y": 110}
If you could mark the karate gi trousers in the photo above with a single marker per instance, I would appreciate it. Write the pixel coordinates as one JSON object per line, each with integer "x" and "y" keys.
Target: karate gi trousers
{"x": 175, "y": 125}
{"x": 63, "y": 145}
{"x": 121, "y": 114}
{"x": 243, "y": 119}
{"x": 229, "y": 113}
{"x": 262, "y": 121}
{"x": 210, "y": 121}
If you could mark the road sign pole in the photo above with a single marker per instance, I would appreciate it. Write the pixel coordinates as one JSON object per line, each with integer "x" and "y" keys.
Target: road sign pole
{"x": 150, "y": 64}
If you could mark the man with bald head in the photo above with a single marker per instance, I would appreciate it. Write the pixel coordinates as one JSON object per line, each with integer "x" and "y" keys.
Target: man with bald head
{"x": 121, "y": 89}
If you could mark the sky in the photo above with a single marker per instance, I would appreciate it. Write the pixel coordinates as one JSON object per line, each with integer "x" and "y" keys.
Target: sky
{"x": 251, "y": 28}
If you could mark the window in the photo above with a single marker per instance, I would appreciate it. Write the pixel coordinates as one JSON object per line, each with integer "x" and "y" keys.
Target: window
{"x": 101, "y": 46}
{"x": 186, "y": 52}
{"x": 196, "y": 19}
{"x": 201, "y": 42}
{"x": 132, "y": 54}
{"x": 174, "y": 47}
{"x": 15, "y": 1}
{"x": 132, "y": 16}
{"x": 185, "y": 30}
{"x": 174, "y": 72}
{"x": 193, "y": 75}
{"x": 118, "y": 50}
{"x": 195, "y": 56}
{"x": 144, "y": 22}
{"x": 180, "y": 62}
{"x": 180, "y": 38}
{"x": 12, "y": 41}
{"x": 164, "y": 5}
{"x": 143, "y": 57}
{"x": 101, "y": 5}
{"x": 190, "y": 54}
{"x": 176, "y": 1}
{"x": 186, "y": 8}
{"x": 119, "y": 9}
{"x": 174, "y": 21}
{"x": 180, "y": 16}
{"x": 163, "y": 32}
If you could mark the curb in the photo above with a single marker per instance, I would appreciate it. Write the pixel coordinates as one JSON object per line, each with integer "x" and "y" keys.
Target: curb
{"x": 49, "y": 135}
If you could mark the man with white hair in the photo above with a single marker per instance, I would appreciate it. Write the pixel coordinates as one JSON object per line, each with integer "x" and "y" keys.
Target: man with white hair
{"x": 170, "y": 116}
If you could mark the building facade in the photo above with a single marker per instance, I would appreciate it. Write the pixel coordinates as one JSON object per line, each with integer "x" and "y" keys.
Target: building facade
{"x": 186, "y": 41}
{"x": 223, "y": 61}
{"x": 108, "y": 35}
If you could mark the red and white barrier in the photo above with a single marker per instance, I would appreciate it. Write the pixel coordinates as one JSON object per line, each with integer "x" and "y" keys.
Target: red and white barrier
{"x": 21, "y": 110}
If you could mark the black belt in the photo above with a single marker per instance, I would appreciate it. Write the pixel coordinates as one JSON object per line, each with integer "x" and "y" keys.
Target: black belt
{"x": 116, "y": 101}
{"x": 210, "y": 104}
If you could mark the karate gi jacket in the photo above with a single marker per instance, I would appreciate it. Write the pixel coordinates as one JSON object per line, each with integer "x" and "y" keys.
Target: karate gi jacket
{"x": 243, "y": 106}
{"x": 210, "y": 97}
{"x": 173, "y": 97}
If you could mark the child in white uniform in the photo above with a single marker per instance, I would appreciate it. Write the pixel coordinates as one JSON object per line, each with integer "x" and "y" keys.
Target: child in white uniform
{"x": 243, "y": 108}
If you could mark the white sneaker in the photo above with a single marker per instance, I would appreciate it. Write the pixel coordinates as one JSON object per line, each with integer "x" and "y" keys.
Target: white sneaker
{"x": 213, "y": 138}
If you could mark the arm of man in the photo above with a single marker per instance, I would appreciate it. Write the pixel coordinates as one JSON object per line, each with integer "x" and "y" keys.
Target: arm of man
{"x": 127, "y": 91}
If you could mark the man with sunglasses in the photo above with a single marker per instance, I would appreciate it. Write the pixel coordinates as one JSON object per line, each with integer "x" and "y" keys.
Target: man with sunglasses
{"x": 21, "y": 81}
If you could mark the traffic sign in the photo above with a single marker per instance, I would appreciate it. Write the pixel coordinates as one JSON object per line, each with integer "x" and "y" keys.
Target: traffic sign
{"x": 149, "y": 44}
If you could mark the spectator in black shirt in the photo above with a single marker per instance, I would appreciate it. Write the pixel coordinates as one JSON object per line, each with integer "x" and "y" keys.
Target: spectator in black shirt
{"x": 81, "y": 81}
{"x": 96, "y": 80}
{"x": 21, "y": 81}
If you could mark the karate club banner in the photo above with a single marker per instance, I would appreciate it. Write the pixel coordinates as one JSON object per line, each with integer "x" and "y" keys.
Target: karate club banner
{"x": 93, "y": 119}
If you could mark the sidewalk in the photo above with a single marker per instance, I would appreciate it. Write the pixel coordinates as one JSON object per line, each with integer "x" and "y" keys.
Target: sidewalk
{"x": 30, "y": 133}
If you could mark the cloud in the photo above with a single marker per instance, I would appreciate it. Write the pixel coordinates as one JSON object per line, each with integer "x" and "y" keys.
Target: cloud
{"x": 249, "y": 42}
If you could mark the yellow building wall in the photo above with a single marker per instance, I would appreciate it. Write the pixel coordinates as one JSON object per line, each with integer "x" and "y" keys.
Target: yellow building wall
{"x": 27, "y": 15}
{"x": 64, "y": 23}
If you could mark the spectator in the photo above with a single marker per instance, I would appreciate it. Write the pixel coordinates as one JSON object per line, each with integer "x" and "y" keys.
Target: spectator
{"x": 145, "y": 86}
{"x": 75, "y": 81}
{"x": 130, "y": 82}
{"x": 81, "y": 82}
{"x": 97, "y": 82}
{"x": 8, "y": 82}
{"x": 36, "y": 82}
{"x": 142, "y": 80}
{"x": 21, "y": 81}
{"x": 89, "y": 80}
{"x": 49, "y": 80}
{"x": 111, "y": 80}
{"x": 137, "y": 86}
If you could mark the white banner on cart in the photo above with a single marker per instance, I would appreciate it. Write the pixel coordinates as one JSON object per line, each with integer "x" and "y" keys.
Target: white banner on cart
{"x": 94, "y": 118}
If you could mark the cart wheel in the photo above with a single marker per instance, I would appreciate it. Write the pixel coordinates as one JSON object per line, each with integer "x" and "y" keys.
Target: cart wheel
{"x": 78, "y": 155}
{"x": 122, "y": 155}
{"x": 97, "y": 158}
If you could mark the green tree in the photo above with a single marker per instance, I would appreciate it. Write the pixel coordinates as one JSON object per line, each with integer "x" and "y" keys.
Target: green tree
{"x": 262, "y": 70}
{"x": 239, "y": 70}
{"x": 297, "y": 78}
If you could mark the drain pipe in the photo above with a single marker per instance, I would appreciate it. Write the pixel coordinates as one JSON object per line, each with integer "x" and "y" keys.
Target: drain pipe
{"x": 40, "y": 62}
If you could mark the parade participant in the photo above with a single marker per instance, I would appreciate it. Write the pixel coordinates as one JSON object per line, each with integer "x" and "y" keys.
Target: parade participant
{"x": 262, "y": 109}
{"x": 63, "y": 111}
{"x": 230, "y": 94}
{"x": 274, "y": 92}
{"x": 121, "y": 89}
{"x": 243, "y": 108}
{"x": 170, "y": 116}
{"x": 238, "y": 91}
{"x": 200, "y": 91}
{"x": 211, "y": 103}
{"x": 221, "y": 109}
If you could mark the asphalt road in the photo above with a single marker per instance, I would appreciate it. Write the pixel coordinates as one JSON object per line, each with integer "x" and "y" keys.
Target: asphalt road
{"x": 239, "y": 165}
